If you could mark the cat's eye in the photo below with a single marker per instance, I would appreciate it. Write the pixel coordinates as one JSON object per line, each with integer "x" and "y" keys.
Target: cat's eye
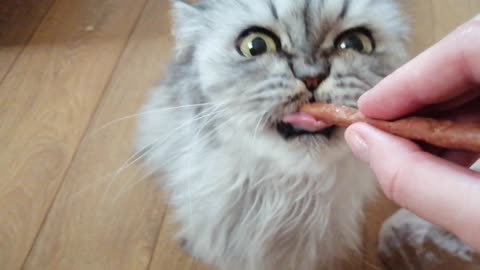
{"x": 257, "y": 42}
{"x": 359, "y": 40}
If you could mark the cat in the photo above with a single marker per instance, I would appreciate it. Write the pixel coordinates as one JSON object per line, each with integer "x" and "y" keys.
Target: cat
{"x": 255, "y": 185}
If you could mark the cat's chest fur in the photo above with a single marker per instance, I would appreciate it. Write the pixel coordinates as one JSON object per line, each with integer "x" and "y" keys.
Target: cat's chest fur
{"x": 238, "y": 204}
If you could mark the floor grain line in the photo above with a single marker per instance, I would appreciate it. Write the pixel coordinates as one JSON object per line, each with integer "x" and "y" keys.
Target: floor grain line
{"x": 16, "y": 251}
{"x": 90, "y": 121}
{"x": 157, "y": 236}
{"x": 27, "y": 42}
{"x": 116, "y": 90}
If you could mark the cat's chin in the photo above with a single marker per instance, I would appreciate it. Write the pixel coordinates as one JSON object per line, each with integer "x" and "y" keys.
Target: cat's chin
{"x": 290, "y": 132}
{"x": 328, "y": 138}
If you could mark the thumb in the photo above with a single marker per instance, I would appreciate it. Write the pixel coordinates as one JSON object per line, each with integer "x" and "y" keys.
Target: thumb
{"x": 441, "y": 192}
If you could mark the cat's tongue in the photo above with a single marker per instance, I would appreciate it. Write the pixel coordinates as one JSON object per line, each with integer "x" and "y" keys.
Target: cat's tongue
{"x": 305, "y": 121}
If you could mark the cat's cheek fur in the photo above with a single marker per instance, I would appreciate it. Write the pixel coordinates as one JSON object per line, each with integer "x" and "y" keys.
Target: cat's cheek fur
{"x": 267, "y": 217}
{"x": 263, "y": 205}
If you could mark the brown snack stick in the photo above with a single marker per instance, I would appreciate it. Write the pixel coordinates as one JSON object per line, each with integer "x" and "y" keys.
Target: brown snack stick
{"x": 442, "y": 133}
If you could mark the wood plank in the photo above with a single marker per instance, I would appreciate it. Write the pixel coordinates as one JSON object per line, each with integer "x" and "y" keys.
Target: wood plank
{"x": 168, "y": 255}
{"x": 377, "y": 213}
{"x": 46, "y": 103}
{"x": 102, "y": 221}
{"x": 18, "y": 21}
{"x": 449, "y": 14}
{"x": 421, "y": 22}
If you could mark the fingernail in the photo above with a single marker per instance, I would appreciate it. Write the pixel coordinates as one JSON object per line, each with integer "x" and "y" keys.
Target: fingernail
{"x": 358, "y": 145}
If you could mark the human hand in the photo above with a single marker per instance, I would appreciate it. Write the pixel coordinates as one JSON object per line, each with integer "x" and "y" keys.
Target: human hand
{"x": 438, "y": 186}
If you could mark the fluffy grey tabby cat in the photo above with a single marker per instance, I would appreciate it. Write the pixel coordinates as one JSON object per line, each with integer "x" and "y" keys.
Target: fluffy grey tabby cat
{"x": 255, "y": 184}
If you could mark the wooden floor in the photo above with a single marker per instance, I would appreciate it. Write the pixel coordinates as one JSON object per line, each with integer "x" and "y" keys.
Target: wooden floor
{"x": 67, "y": 69}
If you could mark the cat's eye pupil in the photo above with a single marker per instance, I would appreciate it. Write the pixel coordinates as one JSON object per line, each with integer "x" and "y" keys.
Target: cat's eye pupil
{"x": 352, "y": 42}
{"x": 257, "y": 41}
{"x": 359, "y": 40}
{"x": 258, "y": 46}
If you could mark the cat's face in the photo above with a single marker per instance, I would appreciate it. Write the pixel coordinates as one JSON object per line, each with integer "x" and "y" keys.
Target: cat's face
{"x": 265, "y": 58}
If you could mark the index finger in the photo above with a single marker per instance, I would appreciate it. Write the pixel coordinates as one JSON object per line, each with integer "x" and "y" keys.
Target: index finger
{"x": 449, "y": 69}
{"x": 436, "y": 190}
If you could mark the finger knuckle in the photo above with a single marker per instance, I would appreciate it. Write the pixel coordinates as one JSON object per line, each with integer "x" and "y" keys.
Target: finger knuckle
{"x": 400, "y": 179}
{"x": 393, "y": 189}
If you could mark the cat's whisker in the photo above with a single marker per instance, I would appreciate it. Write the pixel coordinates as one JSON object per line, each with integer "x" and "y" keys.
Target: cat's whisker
{"x": 253, "y": 139}
{"x": 206, "y": 113}
{"x": 150, "y": 147}
{"x": 147, "y": 149}
{"x": 191, "y": 146}
{"x": 160, "y": 140}
{"x": 189, "y": 190}
{"x": 202, "y": 140}
{"x": 257, "y": 127}
{"x": 105, "y": 178}
{"x": 199, "y": 117}
{"x": 97, "y": 182}
{"x": 159, "y": 110}
{"x": 208, "y": 136}
{"x": 129, "y": 186}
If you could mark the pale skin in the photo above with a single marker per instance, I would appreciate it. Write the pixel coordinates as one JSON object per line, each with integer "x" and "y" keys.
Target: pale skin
{"x": 436, "y": 185}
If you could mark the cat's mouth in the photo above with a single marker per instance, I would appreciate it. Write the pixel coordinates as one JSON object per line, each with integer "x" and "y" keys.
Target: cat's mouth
{"x": 300, "y": 124}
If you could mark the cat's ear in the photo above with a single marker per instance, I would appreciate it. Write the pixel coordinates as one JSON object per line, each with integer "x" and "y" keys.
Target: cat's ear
{"x": 187, "y": 22}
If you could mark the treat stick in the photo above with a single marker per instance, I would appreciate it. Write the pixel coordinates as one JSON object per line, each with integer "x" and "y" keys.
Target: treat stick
{"x": 441, "y": 133}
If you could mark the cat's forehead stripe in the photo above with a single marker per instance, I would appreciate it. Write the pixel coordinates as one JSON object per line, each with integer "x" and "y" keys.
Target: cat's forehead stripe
{"x": 303, "y": 20}
{"x": 343, "y": 13}
{"x": 273, "y": 9}
{"x": 306, "y": 18}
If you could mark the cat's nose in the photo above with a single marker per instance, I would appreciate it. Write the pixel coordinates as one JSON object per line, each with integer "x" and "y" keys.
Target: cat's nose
{"x": 312, "y": 83}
